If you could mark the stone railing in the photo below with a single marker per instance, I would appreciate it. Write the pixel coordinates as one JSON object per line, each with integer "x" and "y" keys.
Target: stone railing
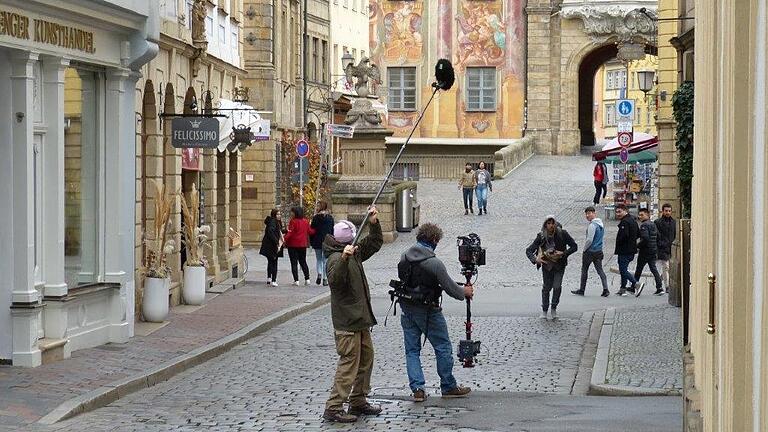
{"x": 508, "y": 158}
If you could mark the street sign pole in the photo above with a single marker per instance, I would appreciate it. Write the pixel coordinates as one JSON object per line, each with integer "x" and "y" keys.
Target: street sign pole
{"x": 301, "y": 185}
{"x": 302, "y": 151}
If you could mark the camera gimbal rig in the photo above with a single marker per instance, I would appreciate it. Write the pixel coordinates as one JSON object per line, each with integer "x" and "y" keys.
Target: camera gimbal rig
{"x": 471, "y": 256}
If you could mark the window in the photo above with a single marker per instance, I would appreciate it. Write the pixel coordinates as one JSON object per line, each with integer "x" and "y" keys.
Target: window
{"x": 336, "y": 60}
{"x": 209, "y": 27}
{"x": 638, "y": 115}
{"x": 222, "y": 31}
{"x": 346, "y": 4}
{"x": 610, "y": 114}
{"x": 235, "y": 38}
{"x": 481, "y": 89}
{"x": 315, "y": 64}
{"x": 402, "y": 88}
{"x": 354, "y": 53}
{"x": 168, "y": 8}
{"x": 354, "y": 5}
{"x": 362, "y": 53}
{"x": 83, "y": 109}
{"x": 189, "y": 13}
{"x": 609, "y": 80}
{"x": 324, "y": 63}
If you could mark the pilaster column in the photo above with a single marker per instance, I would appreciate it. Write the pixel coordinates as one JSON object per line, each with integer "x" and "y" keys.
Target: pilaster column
{"x": 22, "y": 83}
{"x": 538, "y": 76}
{"x": 53, "y": 177}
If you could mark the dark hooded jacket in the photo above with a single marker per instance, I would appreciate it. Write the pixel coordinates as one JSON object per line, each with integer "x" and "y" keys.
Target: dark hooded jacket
{"x": 350, "y": 295}
{"x": 626, "y": 238}
{"x": 428, "y": 275}
{"x": 322, "y": 223}
{"x": 563, "y": 243}
{"x": 271, "y": 238}
{"x": 666, "y": 236}
{"x": 646, "y": 245}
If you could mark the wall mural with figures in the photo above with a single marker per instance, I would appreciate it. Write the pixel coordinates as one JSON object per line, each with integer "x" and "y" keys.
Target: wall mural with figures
{"x": 471, "y": 33}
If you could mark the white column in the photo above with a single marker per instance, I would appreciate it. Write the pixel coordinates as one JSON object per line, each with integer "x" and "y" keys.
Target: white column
{"x": 25, "y": 309}
{"x": 22, "y": 83}
{"x": 53, "y": 177}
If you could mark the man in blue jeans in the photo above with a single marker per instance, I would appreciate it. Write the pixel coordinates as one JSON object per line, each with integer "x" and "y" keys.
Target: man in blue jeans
{"x": 626, "y": 247}
{"x": 425, "y": 278}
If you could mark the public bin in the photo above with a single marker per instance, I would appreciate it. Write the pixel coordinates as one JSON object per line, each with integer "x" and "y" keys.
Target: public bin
{"x": 404, "y": 206}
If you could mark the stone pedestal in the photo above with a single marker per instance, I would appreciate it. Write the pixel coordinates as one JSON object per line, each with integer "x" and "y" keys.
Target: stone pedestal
{"x": 363, "y": 168}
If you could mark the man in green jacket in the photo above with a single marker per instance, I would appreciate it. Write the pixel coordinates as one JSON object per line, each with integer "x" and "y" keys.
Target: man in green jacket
{"x": 352, "y": 318}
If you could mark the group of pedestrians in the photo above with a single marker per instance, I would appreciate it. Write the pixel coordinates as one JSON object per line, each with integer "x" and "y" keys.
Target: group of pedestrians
{"x": 650, "y": 240}
{"x": 296, "y": 238}
{"x": 477, "y": 182}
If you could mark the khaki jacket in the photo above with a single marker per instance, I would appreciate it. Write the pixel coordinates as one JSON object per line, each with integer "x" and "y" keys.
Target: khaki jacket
{"x": 467, "y": 179}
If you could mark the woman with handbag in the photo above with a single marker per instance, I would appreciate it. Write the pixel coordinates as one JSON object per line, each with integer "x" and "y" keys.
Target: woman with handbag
{"x": 272, "y": 244}
{"x": 297, "y": 242}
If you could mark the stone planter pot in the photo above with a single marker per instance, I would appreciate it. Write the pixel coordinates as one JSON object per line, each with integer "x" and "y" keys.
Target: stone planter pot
{"x": 154, "y": 305}
{"x": 193, "y": 290}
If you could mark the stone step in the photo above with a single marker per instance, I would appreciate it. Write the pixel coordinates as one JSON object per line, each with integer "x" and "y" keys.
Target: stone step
{"x": 228, "y": 284}
{"x": 53, "y": 350}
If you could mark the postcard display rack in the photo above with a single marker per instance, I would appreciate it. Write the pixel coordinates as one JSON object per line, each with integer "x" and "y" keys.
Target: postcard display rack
{"x": 636, "y": 185}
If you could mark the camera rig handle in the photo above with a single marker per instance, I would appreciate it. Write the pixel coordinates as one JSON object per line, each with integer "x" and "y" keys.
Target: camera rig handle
{"x": 469, "y": 361}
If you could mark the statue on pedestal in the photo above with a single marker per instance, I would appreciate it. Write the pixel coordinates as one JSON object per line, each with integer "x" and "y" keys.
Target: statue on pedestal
{"x": 199, "y": 13}
{"x": 364, "y": 70}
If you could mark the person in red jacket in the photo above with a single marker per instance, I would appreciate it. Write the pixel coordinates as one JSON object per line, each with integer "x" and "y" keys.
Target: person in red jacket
{"x": 600, "y": 175}
{"x": 297, "y": 242}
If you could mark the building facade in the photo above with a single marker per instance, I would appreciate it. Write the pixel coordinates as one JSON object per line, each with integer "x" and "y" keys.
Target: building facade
{"x": 729, "y": 295}
{"x": 199, "y": 63}
{"x": 349, "y": 34}
{"x": 67, "y": 70}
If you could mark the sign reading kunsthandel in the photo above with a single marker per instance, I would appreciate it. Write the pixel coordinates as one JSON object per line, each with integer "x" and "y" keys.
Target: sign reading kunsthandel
{"x": 195, "y": 132}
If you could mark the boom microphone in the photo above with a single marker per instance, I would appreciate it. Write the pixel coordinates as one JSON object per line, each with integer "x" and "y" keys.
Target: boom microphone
{"x": 444, "y": 75}
{"x": 444, "y": 78}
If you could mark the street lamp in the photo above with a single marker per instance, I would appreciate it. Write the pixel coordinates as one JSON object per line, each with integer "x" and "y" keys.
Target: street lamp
{"x": 645, "y": 80}
{"x": 347, "y": 60}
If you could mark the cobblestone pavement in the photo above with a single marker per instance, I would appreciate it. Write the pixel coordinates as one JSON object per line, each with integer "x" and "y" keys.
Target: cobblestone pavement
{"x": 280, "y": 380}
{"x": 646, "y": 349}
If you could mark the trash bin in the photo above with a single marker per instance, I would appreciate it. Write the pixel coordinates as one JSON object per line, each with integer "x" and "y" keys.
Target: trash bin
{"x": 416, "y": 214}
{"x": 404, "y": 210}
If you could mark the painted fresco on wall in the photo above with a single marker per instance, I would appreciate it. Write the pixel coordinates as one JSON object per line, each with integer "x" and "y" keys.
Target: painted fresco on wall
{"x": 481, "y": 34}
{"x": 396, "y": 31}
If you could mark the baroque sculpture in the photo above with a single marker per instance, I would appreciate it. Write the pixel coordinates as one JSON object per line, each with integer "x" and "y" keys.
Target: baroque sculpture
{"x": 364, "y": 70}
{"x": 199, "y": 13}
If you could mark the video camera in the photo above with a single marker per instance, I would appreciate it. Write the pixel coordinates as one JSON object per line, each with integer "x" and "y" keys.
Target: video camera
{"x": 471, "y": 256}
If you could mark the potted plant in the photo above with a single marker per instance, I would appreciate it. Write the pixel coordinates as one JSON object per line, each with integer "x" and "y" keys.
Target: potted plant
{"x": 154, "y": 303}
{"x": 195, "y": 239}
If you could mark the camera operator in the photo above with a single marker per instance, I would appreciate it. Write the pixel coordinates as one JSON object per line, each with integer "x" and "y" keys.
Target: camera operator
{"x": 352, "y": 318}
{"x": 425, "y": 276}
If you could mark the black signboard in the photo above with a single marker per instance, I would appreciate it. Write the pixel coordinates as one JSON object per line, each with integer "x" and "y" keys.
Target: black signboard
{"x": 195, "y": 132}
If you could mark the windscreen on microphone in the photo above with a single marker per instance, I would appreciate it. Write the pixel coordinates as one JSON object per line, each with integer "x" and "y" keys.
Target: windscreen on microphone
{"x": 444, "y": 76}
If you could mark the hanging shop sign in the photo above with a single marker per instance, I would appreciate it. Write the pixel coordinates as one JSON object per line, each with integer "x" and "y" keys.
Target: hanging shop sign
{"x": 195, "y": 132}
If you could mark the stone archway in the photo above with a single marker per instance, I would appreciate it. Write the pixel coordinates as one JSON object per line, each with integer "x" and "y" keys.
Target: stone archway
{"x": 589, "y": 65}
{"x": 567, "y": 40}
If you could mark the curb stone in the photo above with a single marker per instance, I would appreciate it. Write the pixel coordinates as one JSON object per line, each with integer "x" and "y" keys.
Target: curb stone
{"x": 597, "y": 385}
{"x": 111, "y": 392}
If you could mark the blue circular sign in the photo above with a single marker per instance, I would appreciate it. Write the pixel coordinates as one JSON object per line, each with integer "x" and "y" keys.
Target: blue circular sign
{"x": 302, "y": 148}
{"x": 625, "y": 108}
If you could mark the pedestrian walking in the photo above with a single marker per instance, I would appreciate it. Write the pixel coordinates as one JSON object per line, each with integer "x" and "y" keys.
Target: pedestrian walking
{"x": 667, "y": 232}
{"x": 593, "y": 252}
{"x": 646, "y": 251}
{"x": 483, "y": 186}
{"x": 297, "y": 241}
{"x": 600, "y": 176}
{"x": 322, "y": 224}
{"x": 426, "y": 276}
{"x": 467, "y": 183}
{"x": 626, "y": 248}
{"x": 352, "y": 317}
{"x": 550, "y": 251}
{"x": 272, "y": 244}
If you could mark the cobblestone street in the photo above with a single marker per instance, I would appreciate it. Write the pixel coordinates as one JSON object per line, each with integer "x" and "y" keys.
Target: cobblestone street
{"x": 528, "y": 368}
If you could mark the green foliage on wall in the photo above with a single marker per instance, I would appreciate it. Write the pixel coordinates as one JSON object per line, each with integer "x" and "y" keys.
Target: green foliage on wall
{"x": 682, "y": 104}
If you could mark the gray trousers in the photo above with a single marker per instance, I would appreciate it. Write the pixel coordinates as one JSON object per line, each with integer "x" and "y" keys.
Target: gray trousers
{"x": 592, "y": 258}
{"x": 553, "y": 281}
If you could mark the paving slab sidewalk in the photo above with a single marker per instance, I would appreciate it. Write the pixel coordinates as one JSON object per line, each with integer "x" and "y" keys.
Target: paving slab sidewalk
{"x": 92, "y": 377}
{"x": 639, "y": 353}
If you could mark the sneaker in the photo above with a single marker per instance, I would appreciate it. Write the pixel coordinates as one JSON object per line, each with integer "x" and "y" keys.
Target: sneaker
{"x": 296, "y": 283}
{"x": 466, "y": 212}
{"x": 578, "y": 293}
{"x": 639, "y": 290}
{"x": 274, "y": 283}
{"x": 458, "y": 392}
{"x": 325, "y": 282}
{"x": 485, "y": 210}
{"x": 318, "y": 280}
{"x": 659, "y": 292}
{"x": 472, "y": 210}
{"x": 269, "y": 281}
{"x": 306, "y": 282}
{"x": 543, "y": 315}
{"x": 419, "y": 396}
{"x": 605, "y": 293}
{"x": 338, "y": 416}
{"x": 631, "y": 289}
{"x": 622, "y": 292}
{"x": 553, "y": 314}
{"x": 367, "y": 409}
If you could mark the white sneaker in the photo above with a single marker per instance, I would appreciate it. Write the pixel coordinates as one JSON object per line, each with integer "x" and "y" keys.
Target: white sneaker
{"x": 553, "y": 314}
{"x": 274, "y": 283}
{"x": 296, "y": 283}
{"x": 543, "y": 315}
{"x": 306, "y": 282}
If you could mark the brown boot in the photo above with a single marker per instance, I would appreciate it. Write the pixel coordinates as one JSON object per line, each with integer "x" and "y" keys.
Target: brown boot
{"x": 458, "y": 392}
{"x": 419, "y": 396}
{"x": 367, "y": 409}
{"x": 338, "y": 416}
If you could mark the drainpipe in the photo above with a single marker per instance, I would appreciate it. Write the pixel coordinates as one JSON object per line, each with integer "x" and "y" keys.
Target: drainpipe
{"x": 304, "y": 61}
{"x": 525, "y": 73}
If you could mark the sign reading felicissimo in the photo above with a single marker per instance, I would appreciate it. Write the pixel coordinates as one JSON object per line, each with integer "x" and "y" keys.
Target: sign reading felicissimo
{"x": 195, "y": 132}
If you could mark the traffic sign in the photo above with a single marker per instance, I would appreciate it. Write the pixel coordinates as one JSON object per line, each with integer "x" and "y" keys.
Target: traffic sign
{"x": 625, "y": 139}
{"x": 302, "y": 148}
{"x": 299, "y": 169}
{"x": 624, "y": 126}
{"x": 341, "y": 131}
{"x": 624, "y": 155}
{"x": 625, "y": 108}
